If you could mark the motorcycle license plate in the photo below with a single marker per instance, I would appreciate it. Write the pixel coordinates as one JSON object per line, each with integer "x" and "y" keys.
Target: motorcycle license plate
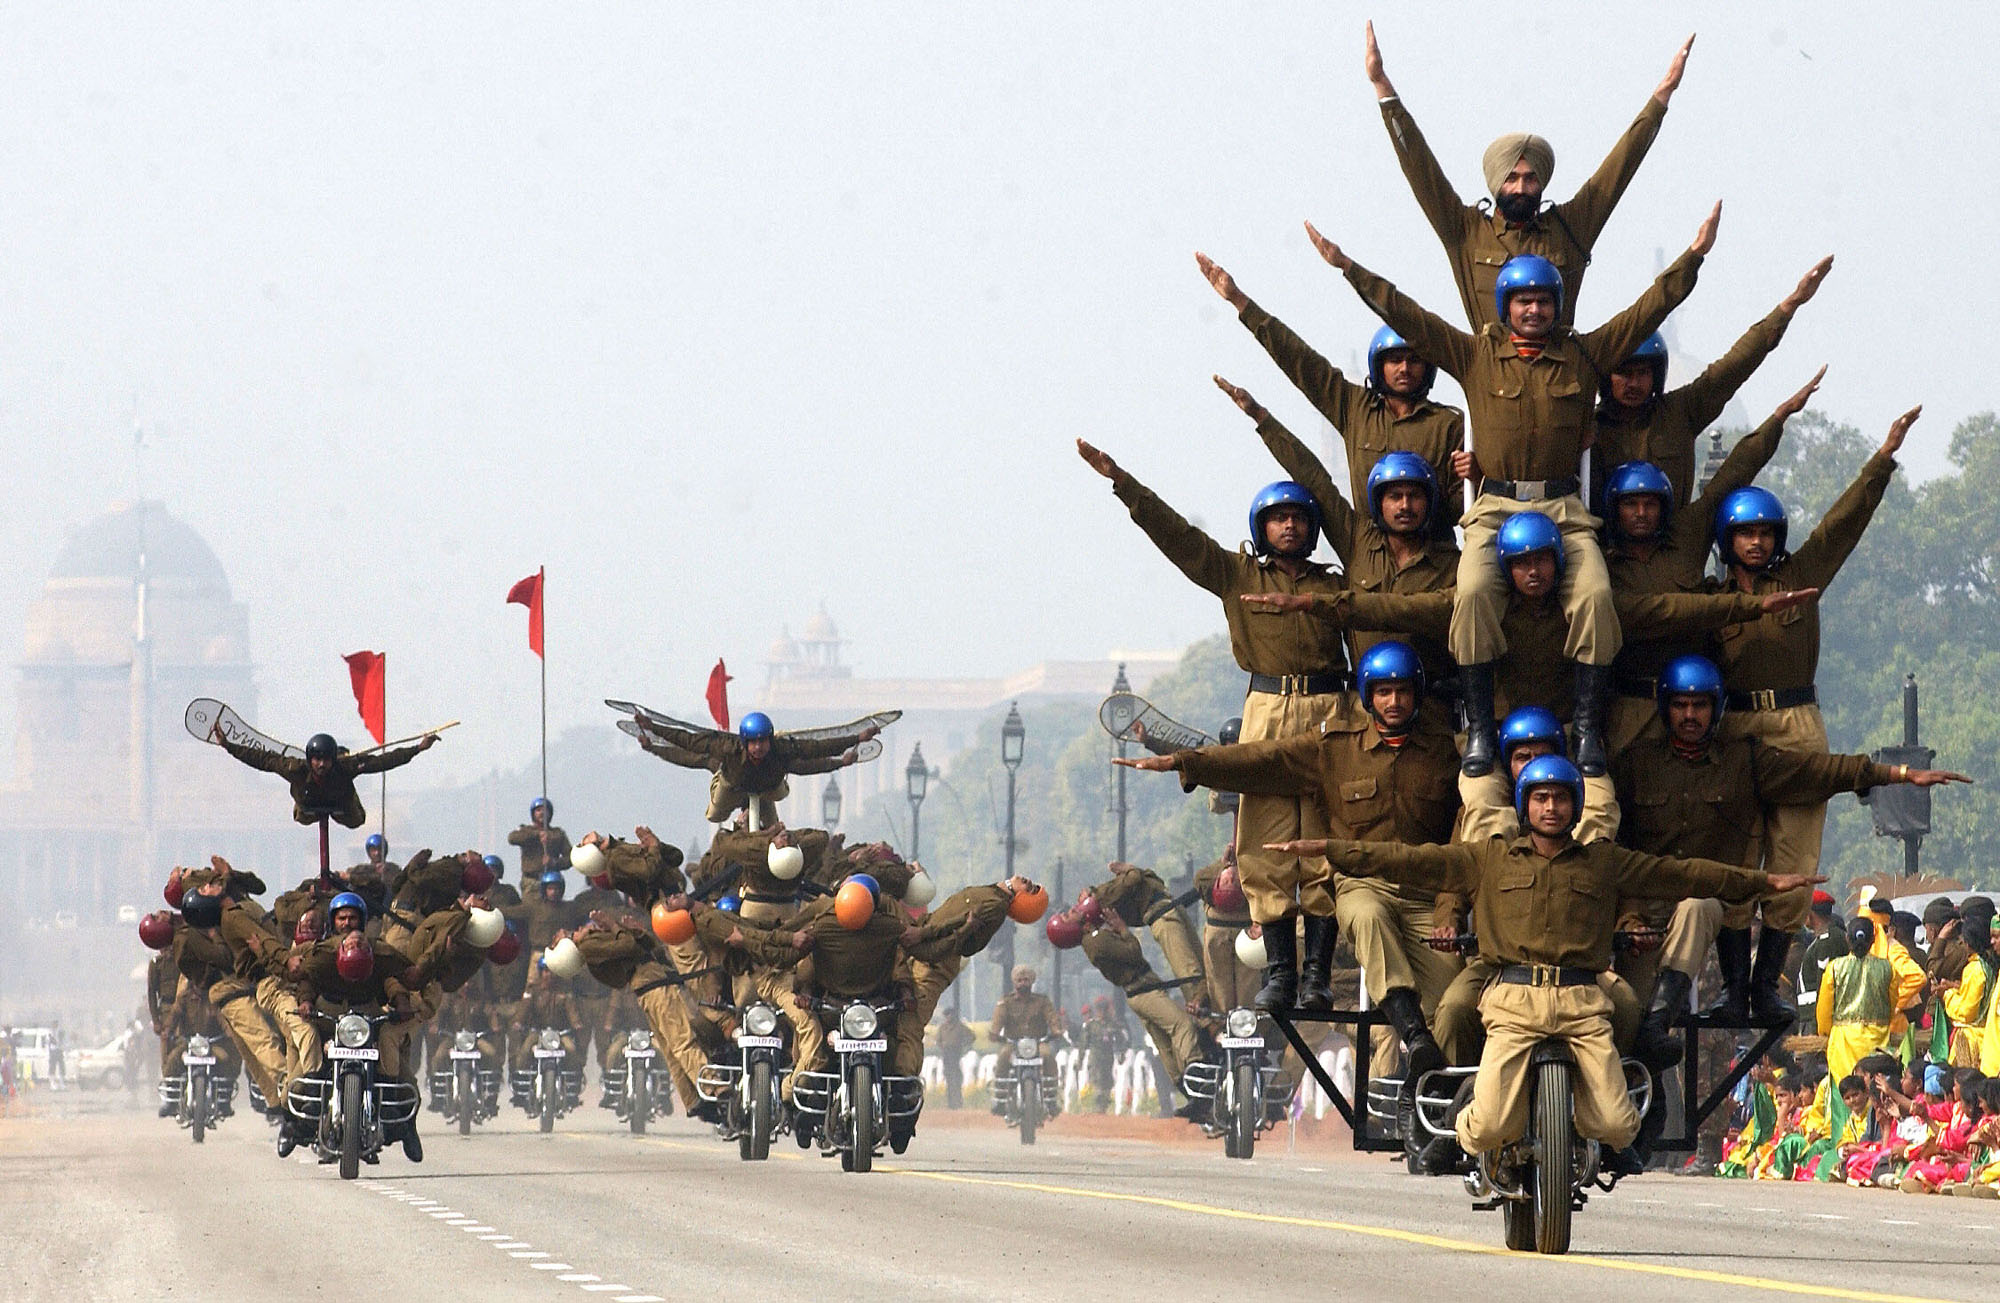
{"x": 465, "y": 1054}
{"x": 878, "y": 1045}
{"x": 361, "y": 1052}
{"x": 1240, "y": 1042}
{"x": 762, "y": 1042}
{"x": 201, "y": 1059}
{"x": 638, "y": 1054}
{"x": 1027, "y": 1063}
{"x": 541, "y": 1053}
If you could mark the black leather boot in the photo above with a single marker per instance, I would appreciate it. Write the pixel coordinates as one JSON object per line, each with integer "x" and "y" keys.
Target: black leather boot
{"x": 1768, "y": 1006}
{"x": 1482, "y": 734}
{"x": 1315, "y": 992}
{"x": 1732, "y": 953}
{"x": 1593, "y": 690}
{"x": 1281, "y": 967}
{"x": 1406, "y": 1014}
{"x": 1655, "y": 1045}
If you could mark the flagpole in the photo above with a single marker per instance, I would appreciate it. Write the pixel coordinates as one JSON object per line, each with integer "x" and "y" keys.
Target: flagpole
{"x": 382, "y": 811}
{"x": 544, "y": 659}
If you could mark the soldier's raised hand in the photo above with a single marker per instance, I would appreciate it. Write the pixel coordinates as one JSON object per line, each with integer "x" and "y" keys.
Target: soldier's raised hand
{"x": 1807, "y": 287}
{"x": 1241, "y": 397}
{"x": 1797, "y": 402}
{"x": 1900, "y": 430}
{"x": 1704, "y": 239}
{"x": 1151, "y": 764}
{"x": 1275, "y": 603}
{"x": 1098, "y": 461}
{"x": 1327, "y": 249}
{"x": 1371, "y": 64}
{"x": 1935, "y": 778}
{"x": 1783, "y": 882}
{"x": 1224, "y": 283}
{"x": 1672, "y": 81}
{"x": 1785, "y": 601}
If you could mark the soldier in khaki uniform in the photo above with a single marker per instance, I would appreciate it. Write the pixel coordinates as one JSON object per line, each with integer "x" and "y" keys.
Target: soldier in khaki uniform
{"x": 751, "y": 764}
{"x": 1770, "y": 664}
{"x": 323, "y": 782}
{"x": 1391, "y": 413}
{"x": 1640, "y": 419}
{"x": 1693, "y": 793}
{"x": 962, "y": 924}
{"x": 623, "y": 954}
{"x": 1479, "y": 238}
{"x": 1297, "y": 667}
{"x": 1232, "y": 984}
{"x": 1655, "y": 545}
{"x": 1545, "y": 908}
{"x": 543, "y": 845}
{"x": 1022, "y": 1012}
{"x": 228, "y": 980}
{"x": 1140, "y": 897}
{"x": 1115, "y": 952}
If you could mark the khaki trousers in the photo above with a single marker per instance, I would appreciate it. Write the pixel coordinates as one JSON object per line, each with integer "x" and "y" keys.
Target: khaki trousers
{"x": 1792, "y": 833}
{"x": 931, "y": 981}
{"x": 263, "y": 1053}
{"x": 301, "y": 1041}
{"x": 1517, "y": 1019}
{"x": 1481, "y": 601}
{"x": 1171, "y": 1029}
{"x": 667, "y": 1014}
{"x": 1177, "y": 942}
{"x": 725, "y": 800}
{"x": 1231, "y": 985}
{"x": 1487, "y": 809}
{"x": 1279, "y": 888}
{"x": 808, "y": 1037}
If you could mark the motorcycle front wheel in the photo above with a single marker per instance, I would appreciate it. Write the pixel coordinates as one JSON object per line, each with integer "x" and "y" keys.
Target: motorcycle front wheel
{"x": 1029, "y": 1096}
{"x": 551, "y": 1093}
{"x": 466, "y": 1096}
{"x": 636, "y": 1102}
{"x": 758, "y": 1125}
{"x": 198, "y": 1105}
{"x": 350, "y": 1126}
{"x": 1555, "y": 1135}
{"x": 861, "y": 1091}
{"x": 1249, "y": 1107}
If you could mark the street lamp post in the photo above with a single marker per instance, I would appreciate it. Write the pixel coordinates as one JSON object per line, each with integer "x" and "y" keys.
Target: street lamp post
{"x": 916, "y": 781}
{"x": 1120, "y": 686}
{"x": 829, "y": 804}
{"x": 1013, "y": 744}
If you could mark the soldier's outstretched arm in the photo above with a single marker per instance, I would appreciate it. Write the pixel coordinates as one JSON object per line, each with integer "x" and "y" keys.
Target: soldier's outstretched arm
{"x": 1274, "y": 767}
{"x": 1450, "y": 867}
{"x": 1300, "y": 463}
{"x": 1689, "y": 615}
{"x": 1833, "y": 540}
{"x": 1315, "y": 377}
{"x": 1663, "y": 877}
{"x": 1615, "y": 340}
{"x": 1787, "y": 777}
{"x": 1707, "y": 394}
{"x": 1441, "y": 205}
{"x": 1194, "y": 554}
{"x": 1752, "y": 453}
{"x": 1434, "y": 339}
{"x": 1586, "y": 213}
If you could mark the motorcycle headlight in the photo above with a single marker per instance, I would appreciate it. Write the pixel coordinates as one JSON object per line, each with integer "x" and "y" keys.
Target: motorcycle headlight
{"x": 858, "y": 1022}
{"x": 198, "y": 1046}
{"x": 762, "y": 1020}
{"x": 549, "y": 1039}
{"x": 465, "y": 1040}
{"x": 1027, "y": 1048}
{"x": 1242, "y": 1022}
{"x": 639, "y": 1041}
{"x": 351, "y": 1031}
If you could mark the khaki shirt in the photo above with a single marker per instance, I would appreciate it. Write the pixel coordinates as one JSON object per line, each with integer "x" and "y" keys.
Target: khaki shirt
{"x": 644, "y": 875}
{"x": 336, "y": 793}
{"x": 853, "y": 964}
{"x": 1530, "y": 910}
{"x": 1362, "y": 418}
{"x": 1118, "y": 956}
{"x": 1137, "y": 895}
{"x": 534, "y": 862}
{"x": 319, "y": 979}
{"x": 1782, "y": 651}
{"x": 1364, "y": 549}
{"x": 1713, "y": 806}
{"x": 623, "y": 958}
{"x": 1262, "y": 642}
{"x": 968, "y": 919}
{"x": 254, "y": 947}
{"x": 1478, "y": 240}
{"x": 752, "y": 849}
{"x": 1032, "y": 1014}
{"x": 728, "y": 755}
{"x": 1664, "y": 430}
{"x": 1531, "y": 418}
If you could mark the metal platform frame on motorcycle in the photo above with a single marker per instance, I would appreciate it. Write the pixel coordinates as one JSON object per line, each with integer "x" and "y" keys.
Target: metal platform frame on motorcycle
{"x": 1361, "y": 1024}
{"x": 1694, "y": 1113}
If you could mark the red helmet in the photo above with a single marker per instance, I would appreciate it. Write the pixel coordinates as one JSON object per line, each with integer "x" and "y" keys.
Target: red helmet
{"x": 174, "y": 889}
{"x": 1086, "y": 905}
{"x": 507, "y": 949}
{"x": 475, "y": 877}
{"x": 354, "y": 958}
{"x": 601, "y": 881}
{"x": 156, "y": 930}
{"x": 1227, "y": 893}
{"x": 1065, "y": 930}
{"x": 310, "y": 928}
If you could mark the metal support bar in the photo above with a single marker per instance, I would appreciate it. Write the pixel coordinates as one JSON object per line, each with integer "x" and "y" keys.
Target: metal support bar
{"x": 1360, "y": 1022}
{"x": 1693, "y": 1114}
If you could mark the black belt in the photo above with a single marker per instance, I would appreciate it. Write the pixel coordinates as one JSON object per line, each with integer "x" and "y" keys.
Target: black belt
{"x": 1300, "y": 685}
{"x": 1546, "y": 975}
{"x": 1774, "y": 698}
{"x": 765, "y": 898}
{"x": 1530, "y": 490}
{"x": 1632, "y": 685}
{"x": 404, "y": 919}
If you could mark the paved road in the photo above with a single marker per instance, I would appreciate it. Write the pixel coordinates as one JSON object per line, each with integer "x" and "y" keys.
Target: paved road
{"x": 98, "y": 1203}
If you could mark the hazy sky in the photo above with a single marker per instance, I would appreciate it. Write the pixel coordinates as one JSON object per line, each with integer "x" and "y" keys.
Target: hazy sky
{"x": 722, "y": 311}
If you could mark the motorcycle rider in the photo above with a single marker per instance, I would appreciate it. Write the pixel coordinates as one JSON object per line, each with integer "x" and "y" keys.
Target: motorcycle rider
{"x": 543, "y": 845}
{"x": 1023, "y": 1012}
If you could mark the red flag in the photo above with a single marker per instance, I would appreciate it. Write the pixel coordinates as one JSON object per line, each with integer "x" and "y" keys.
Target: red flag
{"x": 369, "y": 671}
{"x": 718, "y": 694}
{"x": 528, "y": 593}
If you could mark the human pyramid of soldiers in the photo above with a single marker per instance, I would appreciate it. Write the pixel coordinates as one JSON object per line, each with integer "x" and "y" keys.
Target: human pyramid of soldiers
{"x": 1561, "y": 727}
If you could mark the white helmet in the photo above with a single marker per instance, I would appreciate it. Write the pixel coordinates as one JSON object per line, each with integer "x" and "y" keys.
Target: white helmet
{"x": 786, "y": 862}
{"x": 485, "y": 928}
{"x": 563, "y": 958}
{"x": 587, "y": 859}
{"x": 1250, "y": 950}
{"x": 921, "y": 891}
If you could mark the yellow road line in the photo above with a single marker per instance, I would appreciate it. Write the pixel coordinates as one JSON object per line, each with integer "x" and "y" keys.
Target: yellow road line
{"x": 1429, "y": 1241}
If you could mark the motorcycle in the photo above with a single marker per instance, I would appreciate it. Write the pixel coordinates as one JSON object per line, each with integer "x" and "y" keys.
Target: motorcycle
{"x": 201, "y": 1096}
{"x": 469, "y": 1090}
{"x": 551, "y": 1089}
{"x": 748, "y": 1090}
{"x": 1246, "y": 1094}
{"x": 350, "y": 1107}
{"x": 849, "y": 1108}
{"x": 1028, "y": 1095}
{"x": 637, "y": 1088}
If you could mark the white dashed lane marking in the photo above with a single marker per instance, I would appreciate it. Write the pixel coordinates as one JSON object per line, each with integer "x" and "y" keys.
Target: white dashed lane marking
{"x": 521, "y": 1250}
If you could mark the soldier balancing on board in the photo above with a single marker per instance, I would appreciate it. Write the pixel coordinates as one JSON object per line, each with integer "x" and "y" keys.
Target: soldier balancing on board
{"x": 323, "y": 782}
{"x": 1697, "y": 792}
{"x": 1391, "y": 413}
{"x": 1529, "y": 384}
{"x": 751, "y": 765}
{"x": 1544, "y": 908}
{"x": 1388, "y": 779}
{"x": 1297, "y": 668}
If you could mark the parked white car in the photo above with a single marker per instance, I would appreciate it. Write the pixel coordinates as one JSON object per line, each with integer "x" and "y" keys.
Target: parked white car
{"x": 103, "y": 1066}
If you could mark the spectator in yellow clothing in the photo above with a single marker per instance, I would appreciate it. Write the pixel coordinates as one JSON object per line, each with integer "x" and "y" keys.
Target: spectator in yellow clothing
{"x": 1856, "y": 1001}
{"x": 1907, "y": 988}
{"x": 1969, "y": 1000}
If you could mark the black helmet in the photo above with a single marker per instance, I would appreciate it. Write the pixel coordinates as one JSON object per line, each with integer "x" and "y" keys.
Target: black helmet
{"x": 200, "y": 910}
{"x": 321, "y": 746}
{"x": 1232, "y": 730}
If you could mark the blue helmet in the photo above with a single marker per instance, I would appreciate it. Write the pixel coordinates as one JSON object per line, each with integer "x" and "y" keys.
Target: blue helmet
{"x": 1525, "y": 724}
{"x": 376, "y": 842}
{"x": 1284, "y": 493}
{"x": 1653, "y": 351}
{"x": 1541, "y": 772}
{"x": 1749, "y": 506}
{"x": 347, "y": 900}
{"x": 1399, "y": 468}
{"x": 1528, "y": 532}
{"x": 730, "y": 904}
{"x": 496, "y": 864}
{"x": 541, "y": 803}
{"x": 754, "y": 725}
{"x": 1526, "y": 271}
{"x": 554, "y": 878}
{"x": 1629, "y": 479}
{"x": 1692, "y": 676}
{"x": 1388, "y": 662}
{"x": 1387, "y": 340}
{"x": 867, "y": 880}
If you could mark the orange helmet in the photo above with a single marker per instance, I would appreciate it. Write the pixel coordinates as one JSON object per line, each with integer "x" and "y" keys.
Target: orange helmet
{"x": 1029, "y": 906}
{"x": 853, "y": 905}
{"x": 672, "y": 925}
